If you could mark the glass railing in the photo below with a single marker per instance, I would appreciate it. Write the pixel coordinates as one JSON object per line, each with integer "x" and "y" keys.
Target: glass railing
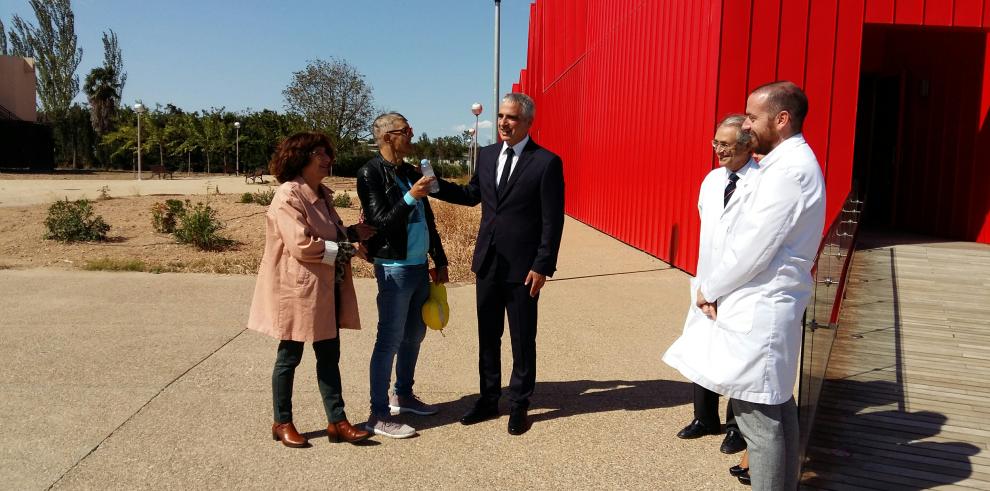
{"x": 821, "y": 318}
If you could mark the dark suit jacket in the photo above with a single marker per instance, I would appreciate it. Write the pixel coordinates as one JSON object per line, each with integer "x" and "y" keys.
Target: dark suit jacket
{"x": 526, "y": 223}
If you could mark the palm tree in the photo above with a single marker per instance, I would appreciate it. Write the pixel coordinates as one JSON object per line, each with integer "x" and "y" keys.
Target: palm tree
{"x": 103, "y": 91}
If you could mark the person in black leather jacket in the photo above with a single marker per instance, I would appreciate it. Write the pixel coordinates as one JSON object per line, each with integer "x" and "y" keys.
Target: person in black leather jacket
{"x": 393, "y": 196}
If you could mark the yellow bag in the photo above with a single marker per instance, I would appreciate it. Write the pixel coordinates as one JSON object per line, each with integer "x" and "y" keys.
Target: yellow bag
{"x": 436, "y": 312}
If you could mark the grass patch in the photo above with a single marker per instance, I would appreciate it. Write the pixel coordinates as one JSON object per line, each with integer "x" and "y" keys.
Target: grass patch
{"x": 107, "y": 264}
{"x": 458, "y": 228}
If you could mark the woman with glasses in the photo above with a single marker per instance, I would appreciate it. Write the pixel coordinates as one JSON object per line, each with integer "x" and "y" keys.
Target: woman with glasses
{"x": 304, "y": 292}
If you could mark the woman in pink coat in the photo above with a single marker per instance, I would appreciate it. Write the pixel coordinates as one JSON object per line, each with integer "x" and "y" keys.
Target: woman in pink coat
{"x": 304, "y": 291}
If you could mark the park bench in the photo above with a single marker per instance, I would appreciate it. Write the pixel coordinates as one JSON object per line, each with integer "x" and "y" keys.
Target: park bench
{"x": 161, "y": 171}
{"x": 257, "y": 175}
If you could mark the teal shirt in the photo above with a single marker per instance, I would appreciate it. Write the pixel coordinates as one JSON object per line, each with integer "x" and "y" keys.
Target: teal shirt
{"x": 417, "y": 235}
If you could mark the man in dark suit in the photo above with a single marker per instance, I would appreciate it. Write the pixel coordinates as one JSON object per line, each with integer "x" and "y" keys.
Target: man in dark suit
{"x": 520, "y": 186}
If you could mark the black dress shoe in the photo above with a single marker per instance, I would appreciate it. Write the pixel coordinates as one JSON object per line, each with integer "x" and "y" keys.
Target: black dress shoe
{"x": 736, "y": 471}
{"x": 518, "y": 422}
{"x": 733, "y": 442}
{"x": 697, "y": 429}
{"x": 479, "y": 413}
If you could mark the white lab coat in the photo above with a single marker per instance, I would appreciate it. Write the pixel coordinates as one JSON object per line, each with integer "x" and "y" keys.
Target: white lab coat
{"x": 757, "y": 266}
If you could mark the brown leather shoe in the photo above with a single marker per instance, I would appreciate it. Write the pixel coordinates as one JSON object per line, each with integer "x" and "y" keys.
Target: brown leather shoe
{"x": 287, "y": 434}
{"x": 342, "y": 431}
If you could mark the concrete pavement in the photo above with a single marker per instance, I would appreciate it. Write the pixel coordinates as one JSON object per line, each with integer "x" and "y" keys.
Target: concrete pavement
{"x": 135, "y": 380}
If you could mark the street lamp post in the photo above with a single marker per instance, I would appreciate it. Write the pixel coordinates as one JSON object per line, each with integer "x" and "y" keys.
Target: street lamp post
{"x": 237, "y": 146}
{"x": 498, "y": 22}
{"x": 476, "y": 110}
{"x": 474, "y": 146}
{"x": 139, "y": 109}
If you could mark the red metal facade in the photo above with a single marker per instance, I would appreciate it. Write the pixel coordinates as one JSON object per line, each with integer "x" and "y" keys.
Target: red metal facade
{"x": 628, "y": 91}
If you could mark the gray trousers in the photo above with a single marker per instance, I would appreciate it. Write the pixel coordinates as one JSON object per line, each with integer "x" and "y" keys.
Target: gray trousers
{"x": 771, "y": 433}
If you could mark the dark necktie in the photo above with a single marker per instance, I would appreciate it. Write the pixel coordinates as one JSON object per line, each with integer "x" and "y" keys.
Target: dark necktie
{"x": 506, "y": 170}
{"x": 730, "y": 188}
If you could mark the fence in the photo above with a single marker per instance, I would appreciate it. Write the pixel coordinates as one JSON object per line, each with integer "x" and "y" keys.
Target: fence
{"x": 822, "y": 315}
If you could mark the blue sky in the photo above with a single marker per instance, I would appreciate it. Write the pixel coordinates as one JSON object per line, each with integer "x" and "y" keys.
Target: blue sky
{"x": 429, "y": 59}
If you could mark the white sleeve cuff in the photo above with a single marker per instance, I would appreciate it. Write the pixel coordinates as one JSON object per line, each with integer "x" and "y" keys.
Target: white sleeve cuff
{"x": 330, "y": 254}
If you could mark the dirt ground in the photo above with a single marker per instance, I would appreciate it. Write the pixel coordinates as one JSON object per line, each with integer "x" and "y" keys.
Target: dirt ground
{"x": 135, "y": 245}
{"x": 96, "y": 175}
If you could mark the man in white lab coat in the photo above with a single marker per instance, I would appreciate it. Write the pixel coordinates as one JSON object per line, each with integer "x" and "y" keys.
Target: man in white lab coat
{"x": 742, "y": 338}
{"x": 718, "y": 205}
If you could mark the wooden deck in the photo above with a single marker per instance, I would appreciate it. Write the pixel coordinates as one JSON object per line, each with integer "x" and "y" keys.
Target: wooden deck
{"x": 906, "y": 402}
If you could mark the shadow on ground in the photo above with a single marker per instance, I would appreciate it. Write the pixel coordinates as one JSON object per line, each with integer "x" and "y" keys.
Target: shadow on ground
{"x": 553, "y": 400}
{"x": 855, "y": 443}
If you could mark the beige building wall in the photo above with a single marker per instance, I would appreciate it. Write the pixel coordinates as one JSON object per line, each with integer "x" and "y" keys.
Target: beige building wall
{"x": 17, "y": 87}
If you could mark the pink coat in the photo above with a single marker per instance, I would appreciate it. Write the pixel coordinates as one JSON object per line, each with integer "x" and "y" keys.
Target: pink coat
{"x": 295, "y": 297}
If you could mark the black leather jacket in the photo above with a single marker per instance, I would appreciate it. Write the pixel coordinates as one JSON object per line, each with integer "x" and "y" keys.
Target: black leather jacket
{"x": 385, "y": 209}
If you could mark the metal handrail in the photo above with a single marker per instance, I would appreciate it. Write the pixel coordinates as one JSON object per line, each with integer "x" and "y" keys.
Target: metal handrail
{"x": 822, "y": 315}
{"x": 7, "y": 114}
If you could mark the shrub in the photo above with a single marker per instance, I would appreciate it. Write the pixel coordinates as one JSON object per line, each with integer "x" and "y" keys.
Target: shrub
{"x": 342, "y": 200}
{"x": 105, "y": 193}
{"x": 247, "y": 198}
{"x": 451, "y": 170}
{"x": 200, "y": 226}
{"x": 71, "y": 221}
{"x": 164, "y": 216}
{"x": 264, "y": 197}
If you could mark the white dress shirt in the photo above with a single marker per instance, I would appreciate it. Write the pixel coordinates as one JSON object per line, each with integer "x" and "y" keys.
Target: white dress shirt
{"x": 517, "y": 148}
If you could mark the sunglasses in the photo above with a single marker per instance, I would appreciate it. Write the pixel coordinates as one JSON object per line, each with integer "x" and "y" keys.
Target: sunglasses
{"x": 408, "y": 131}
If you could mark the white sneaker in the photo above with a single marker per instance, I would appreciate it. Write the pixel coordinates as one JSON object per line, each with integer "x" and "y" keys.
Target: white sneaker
{"x": 386, "y": 426}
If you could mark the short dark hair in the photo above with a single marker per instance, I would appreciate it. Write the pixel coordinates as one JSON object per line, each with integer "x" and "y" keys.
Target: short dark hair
{"x": 293, "y": 154}
{"x": 785, "y": 95}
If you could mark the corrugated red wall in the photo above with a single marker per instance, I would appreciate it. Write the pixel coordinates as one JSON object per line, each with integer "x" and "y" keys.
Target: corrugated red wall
{"x": 628, "y": 91}
{"x": 617, "y": 86}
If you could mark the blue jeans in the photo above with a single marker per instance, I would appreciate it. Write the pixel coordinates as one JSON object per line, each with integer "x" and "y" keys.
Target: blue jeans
{"x": 402, "y": 291}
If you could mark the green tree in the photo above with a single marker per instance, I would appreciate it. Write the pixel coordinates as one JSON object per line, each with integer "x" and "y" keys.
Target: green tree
{"x": 215, "y": 135}
{"x": 154, "y": 133}
{"x": 3, "y": 40}
{"x": 122, "y": 141}
{"x": 113, "y": 60}
{"x": 53, "y": 45}
{"x": 333, "y": 96}
{"x": 186, "y": 137}
{"x": 75, "y": 139}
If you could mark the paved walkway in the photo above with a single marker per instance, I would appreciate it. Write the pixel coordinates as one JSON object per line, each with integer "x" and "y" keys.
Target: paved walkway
{"x": 905, "y": 402}
{"x": 24, "y": 192}
{"x": 134, "y": 380}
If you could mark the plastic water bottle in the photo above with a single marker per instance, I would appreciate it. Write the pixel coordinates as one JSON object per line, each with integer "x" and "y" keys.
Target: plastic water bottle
{"x": 427, "y": 169}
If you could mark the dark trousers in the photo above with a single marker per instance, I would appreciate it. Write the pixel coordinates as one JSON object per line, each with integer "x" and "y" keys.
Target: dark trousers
{"x": 327, "y": 377}
{"x": 496, "y": 298}
{"x": 706, "y": 409}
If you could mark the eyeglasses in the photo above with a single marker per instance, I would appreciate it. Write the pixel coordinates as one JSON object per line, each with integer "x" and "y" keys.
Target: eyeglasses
{"x": 717, "y": 145}
{"x": 408, "y": 131}
{"x": 321, "y": 151}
